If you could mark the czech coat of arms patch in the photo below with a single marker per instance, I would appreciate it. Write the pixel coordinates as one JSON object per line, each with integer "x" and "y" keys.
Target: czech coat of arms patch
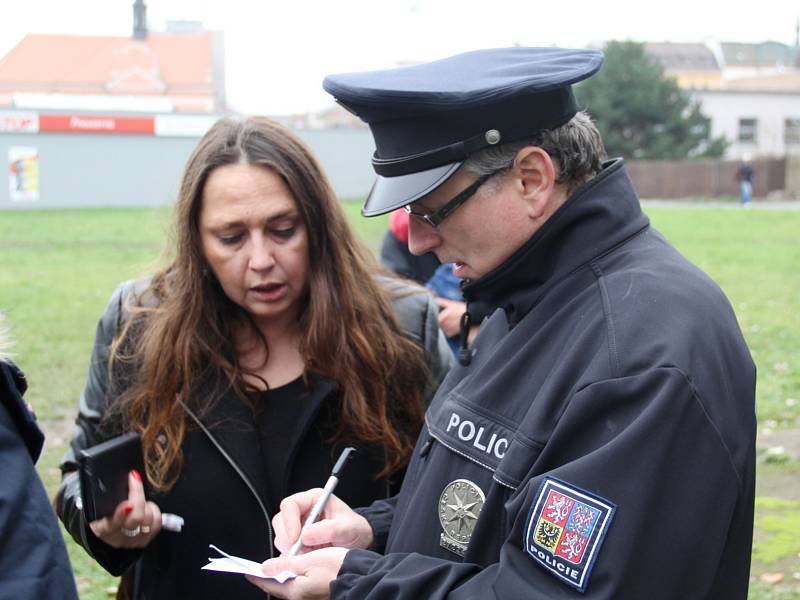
{"x": 565, "y": 530}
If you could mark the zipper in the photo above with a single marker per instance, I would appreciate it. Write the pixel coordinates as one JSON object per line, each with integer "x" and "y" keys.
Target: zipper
{"x": 238, "y": 471}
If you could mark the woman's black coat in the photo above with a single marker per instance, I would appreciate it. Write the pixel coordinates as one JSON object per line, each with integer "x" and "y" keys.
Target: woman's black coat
{"x": 222, "y": 490}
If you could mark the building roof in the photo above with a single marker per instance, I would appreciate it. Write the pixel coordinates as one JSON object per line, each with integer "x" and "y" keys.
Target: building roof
{"x": 764, "y": 54}
{"x": 682, "y": 57}
{"x": 180, "y": 66}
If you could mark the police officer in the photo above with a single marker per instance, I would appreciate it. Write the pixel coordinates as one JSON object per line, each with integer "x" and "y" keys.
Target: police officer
{"x": 598, "y": 439}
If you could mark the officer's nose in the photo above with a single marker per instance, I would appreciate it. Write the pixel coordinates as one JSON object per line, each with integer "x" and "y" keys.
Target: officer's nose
{"x": 422, "y": 237}
{"x": 262, "y": 257}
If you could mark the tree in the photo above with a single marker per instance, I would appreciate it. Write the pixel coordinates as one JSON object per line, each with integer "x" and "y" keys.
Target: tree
{"x": 642, "y": 114}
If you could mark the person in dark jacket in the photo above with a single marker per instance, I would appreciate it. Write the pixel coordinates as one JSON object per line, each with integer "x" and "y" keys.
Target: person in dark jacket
{"x": 744, "y": 176}
{"x": 396, "y": 257}
{"x": 33, "y": 560}
{"x": 598, "y": 441}
{"x": 437, "y": 277}
{"x": 247, "y": 364}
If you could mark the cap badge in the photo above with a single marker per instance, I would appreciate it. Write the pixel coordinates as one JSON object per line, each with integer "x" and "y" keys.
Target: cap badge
{"x": 459, "y": 507}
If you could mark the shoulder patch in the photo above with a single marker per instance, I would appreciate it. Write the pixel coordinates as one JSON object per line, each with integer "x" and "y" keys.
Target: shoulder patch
{"x": 566, "y": 527}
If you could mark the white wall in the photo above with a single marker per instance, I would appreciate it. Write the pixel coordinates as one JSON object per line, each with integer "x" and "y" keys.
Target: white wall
{"x": 82, "y": 170}
{"x": 771, "y": 109}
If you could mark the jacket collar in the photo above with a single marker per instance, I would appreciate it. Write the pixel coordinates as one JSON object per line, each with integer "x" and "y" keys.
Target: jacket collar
{"x": 598, "y": 216}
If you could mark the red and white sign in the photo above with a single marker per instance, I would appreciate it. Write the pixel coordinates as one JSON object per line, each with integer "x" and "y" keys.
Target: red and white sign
{"x": 96, "y": 124}
{"x": 19, "y": 121}
{"x": 159, "y": 125}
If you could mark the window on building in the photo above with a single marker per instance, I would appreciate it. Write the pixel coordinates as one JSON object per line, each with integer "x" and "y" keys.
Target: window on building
{"x": 791, "y": 131}
{"x": 747, "y": 130}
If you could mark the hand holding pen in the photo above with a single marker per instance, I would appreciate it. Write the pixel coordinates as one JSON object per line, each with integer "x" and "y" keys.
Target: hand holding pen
{"x": 319, "y": 505}
{"x": 335, "y": 525}
{"x": 314, "y": 530}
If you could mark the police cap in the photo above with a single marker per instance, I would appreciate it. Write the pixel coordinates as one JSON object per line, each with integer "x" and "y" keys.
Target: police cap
{"x": 426, "y": 119}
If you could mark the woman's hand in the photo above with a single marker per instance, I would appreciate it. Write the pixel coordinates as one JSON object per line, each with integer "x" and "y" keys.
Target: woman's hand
{"x": 135, "y": 521}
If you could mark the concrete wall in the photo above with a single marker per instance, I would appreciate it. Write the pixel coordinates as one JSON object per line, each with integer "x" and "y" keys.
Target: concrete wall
{"x": 92, "y": 170}
{"x": 345, "y": 155}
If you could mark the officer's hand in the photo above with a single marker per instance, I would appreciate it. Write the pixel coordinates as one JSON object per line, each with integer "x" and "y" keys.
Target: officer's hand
{"x": 338, "y": 525}
{"x": 135, "y": 521}
{"x": 450, "y": 312}
{"x": 315, "y": 571}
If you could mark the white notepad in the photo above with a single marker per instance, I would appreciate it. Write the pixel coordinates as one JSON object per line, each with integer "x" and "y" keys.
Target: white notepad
{"x": 234, "y": 564}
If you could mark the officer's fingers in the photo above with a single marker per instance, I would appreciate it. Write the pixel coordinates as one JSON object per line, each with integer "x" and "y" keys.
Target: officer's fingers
{"x": 287, "y": 525}
{"x": 314, "y": 570}
{"x": 278, "y": 530}
{"x": 283, "y": 540}
{"x": 345, "y": 532}
{"x": 303, "y": 501}
{"x": 272, "y": 587}
{"x": 294, "y": 508}
{"x": 280, "y": 564}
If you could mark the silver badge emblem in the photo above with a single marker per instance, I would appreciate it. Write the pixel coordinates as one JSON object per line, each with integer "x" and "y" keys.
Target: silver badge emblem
{"x": 459, "y": 506}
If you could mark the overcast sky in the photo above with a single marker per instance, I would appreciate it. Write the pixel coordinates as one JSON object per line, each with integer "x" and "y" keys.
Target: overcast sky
{"x": 278, "y": 51}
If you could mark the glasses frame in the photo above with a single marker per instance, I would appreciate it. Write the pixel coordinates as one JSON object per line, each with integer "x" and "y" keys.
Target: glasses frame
{"x": 437, "y": 217}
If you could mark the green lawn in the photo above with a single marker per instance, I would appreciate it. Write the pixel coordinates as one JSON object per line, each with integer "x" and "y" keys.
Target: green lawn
{"x": 58, "y": 269}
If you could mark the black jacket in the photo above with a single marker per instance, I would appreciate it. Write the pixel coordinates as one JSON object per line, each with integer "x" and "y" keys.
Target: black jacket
{"x": 607, "y": 417}
{"x": 33, "y": 559}
{"x": 222, "y": 490}
{"x": 396, "y": 257}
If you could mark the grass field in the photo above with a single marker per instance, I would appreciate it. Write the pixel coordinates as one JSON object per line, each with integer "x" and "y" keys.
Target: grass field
{"x": 58, "y": 269}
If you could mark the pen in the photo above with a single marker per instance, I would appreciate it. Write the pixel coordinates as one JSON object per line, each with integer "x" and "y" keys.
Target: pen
{"x": 323, "y": 499}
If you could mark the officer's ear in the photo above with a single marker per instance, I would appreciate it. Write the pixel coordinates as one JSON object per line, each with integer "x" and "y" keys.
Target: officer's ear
{"x": 536, "y": 180}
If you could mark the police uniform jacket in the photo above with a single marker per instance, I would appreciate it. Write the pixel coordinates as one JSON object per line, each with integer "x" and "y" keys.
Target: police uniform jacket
{"x": 599, "y": 444}
{"x": 222, "y": 490}
{"x": 33, "y": 559}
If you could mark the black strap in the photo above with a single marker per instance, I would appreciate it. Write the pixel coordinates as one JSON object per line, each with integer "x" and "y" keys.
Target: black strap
{"x": 464, "y": 354}
{"x": 393, "y": 167}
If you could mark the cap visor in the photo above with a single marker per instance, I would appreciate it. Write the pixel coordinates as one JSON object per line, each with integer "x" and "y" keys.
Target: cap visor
{"x": 389, "y": 193}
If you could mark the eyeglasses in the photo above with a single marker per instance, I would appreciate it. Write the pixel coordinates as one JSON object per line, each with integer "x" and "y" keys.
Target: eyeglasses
{"x": 436, "y": 218}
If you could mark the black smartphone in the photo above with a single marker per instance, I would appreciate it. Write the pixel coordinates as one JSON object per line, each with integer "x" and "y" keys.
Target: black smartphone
{"x": 104, "y": 474}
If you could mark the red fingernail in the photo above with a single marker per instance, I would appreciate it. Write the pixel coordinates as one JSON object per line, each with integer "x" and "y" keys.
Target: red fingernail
{"x": 136, "y": 475}
{"x": 128, "y": 509}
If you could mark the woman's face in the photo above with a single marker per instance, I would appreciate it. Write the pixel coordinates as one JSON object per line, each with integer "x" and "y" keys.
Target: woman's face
{"x": 255, "y": 242}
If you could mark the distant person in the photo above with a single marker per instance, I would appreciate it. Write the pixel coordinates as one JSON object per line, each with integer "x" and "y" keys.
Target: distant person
{"x": 745, "y": 176}
{"x": 33, "y": 560}
{"x": 437, "y": 277}
{"x": 265, "y": 347}
{"x": 396, "y": 257}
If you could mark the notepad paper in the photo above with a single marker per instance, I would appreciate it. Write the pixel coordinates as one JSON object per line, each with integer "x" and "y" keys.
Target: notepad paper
{"x": 234, "y": 564}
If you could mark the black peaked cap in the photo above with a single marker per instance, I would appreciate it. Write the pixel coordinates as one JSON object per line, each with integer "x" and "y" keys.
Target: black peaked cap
{"x": 426, "y": 119}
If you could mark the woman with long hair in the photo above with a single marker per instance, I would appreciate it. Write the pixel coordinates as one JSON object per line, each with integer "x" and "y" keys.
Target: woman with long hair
{"x": 267, "y": 344}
